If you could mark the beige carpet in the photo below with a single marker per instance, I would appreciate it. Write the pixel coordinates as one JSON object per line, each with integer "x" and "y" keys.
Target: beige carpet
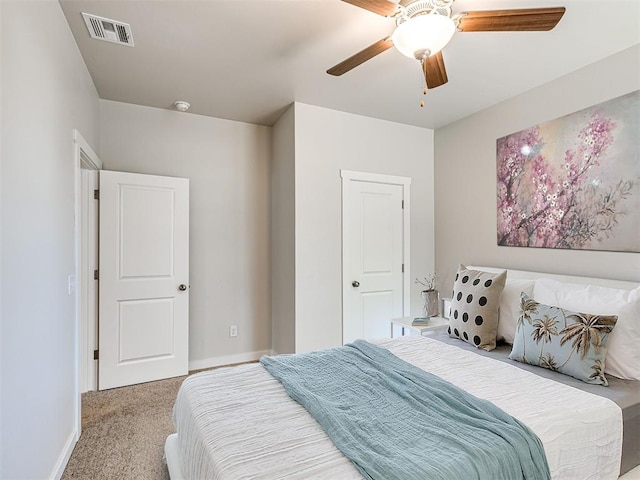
{"x": 123, "y": 433}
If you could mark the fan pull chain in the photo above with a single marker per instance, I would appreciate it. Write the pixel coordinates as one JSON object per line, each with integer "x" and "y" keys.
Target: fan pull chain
{"x": 424, "y": 79}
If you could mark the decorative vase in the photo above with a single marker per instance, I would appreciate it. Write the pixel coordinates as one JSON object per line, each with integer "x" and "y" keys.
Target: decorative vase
{"x": 430, "y": 303}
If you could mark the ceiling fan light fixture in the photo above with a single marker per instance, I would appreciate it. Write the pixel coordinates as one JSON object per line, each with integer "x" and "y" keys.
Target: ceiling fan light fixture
{"x": 422, "y": 33}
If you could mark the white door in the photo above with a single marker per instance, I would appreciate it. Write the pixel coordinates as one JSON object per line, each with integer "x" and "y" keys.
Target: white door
{"x": 144, "y": 278}
{"x": 374, "y": 244}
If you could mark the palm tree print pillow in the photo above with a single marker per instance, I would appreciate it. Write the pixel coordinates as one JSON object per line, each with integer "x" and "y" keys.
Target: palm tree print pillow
{"x": 567, "y": 342}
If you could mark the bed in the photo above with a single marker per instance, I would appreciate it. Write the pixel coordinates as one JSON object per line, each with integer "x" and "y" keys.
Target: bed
{"x": 239, "y": 422}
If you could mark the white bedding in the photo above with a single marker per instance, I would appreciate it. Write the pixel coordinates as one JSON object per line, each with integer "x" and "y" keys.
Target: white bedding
{"x": 239, "y": 422}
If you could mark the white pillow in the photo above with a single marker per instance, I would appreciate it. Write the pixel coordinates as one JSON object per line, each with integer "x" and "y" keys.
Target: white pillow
{"x": 510, "y": 307}
{"x": 623, "y": 357}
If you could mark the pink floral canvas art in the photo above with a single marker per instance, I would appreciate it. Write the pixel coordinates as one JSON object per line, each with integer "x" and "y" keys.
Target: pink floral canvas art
{"x": 573, "y": 182}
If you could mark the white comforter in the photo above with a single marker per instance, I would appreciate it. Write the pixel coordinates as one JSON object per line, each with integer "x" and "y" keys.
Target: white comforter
{"x": 239, "y": 422}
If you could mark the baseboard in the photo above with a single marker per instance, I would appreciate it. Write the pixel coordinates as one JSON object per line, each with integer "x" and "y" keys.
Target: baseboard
{"x": 64, "y": 456}
{"x": 227, "y": 360}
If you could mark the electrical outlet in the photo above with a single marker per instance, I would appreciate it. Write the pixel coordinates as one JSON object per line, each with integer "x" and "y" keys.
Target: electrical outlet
{"x": 233, "y": 331}
{"x": 71, "y": 284}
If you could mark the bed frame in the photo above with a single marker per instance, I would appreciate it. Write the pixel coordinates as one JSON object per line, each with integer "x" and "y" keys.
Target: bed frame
{"x": 172, "y": 457}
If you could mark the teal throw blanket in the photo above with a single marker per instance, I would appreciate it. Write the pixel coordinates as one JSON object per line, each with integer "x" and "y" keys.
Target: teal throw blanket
{"x": 396, "y": 421}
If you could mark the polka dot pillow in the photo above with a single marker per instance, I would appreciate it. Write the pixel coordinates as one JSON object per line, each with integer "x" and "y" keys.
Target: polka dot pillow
{"x": 474, "y": 307}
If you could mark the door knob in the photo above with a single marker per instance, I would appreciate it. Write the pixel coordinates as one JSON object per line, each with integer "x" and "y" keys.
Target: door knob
{"x": 355, "y": 284}
{"x": 182, "y": 287}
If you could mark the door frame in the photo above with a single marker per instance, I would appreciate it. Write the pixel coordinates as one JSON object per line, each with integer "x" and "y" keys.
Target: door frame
{"x": 84, "y": 158}
{"x": 349, "y": 176}
{"x": 87, "y": 284}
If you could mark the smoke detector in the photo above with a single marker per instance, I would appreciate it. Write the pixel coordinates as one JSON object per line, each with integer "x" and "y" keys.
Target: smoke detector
{"x": 182, "y": 105}
{"x": 108, "y": 30}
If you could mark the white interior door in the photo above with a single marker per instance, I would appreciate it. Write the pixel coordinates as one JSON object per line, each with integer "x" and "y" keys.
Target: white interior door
{"x": 144, "y": 278}
{"x": 374, "y": 254}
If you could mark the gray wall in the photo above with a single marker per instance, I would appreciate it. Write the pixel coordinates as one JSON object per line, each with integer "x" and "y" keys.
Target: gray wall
{"x": 465, "y": 170}
{"x": 228, "y": 166}
{"x": 283, "y": 281}
{"x": 46, "y": 93}
{"x": 1, "y": 232}
{"x": 327, "y": 141}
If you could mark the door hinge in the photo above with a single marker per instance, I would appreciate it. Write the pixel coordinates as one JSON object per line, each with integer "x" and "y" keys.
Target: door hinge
{"x": 403, "y": 204}
{"x": 96, "y": 274}
{"x": 403, "y": 268}
{"x": 96, "y": 194}
{"x": 95, "y": 354}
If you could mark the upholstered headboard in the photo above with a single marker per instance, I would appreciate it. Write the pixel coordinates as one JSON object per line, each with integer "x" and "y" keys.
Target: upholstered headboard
{"x": 524, "y": 275}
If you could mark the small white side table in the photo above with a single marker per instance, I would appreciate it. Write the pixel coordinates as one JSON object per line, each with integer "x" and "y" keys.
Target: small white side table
{"x": 403, "y": 326}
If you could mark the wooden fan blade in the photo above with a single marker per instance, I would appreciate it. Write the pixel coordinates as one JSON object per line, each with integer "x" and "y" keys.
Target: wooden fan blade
{"x": 528, "y": 19}
{"x": 361, "y": 57}
{"x": 381, "y": 7}
{"x": 434, "y": 72}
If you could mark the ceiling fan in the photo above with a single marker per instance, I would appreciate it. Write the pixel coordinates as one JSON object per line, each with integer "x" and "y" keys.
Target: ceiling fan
{"x": 424, "y": 27}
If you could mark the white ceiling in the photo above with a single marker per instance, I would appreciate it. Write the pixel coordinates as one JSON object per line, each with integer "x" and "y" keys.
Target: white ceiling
{"x": 247, "y": 60}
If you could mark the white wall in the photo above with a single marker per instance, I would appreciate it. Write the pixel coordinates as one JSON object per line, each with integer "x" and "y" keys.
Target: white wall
{"x": 283, "y": 281}
{"x": 46, "y": 92}
{"x": 1, "y": 162}
{"x": 465, "y": 154}
{"x": 228, "y": 166}
{"x": 327, "y": 141}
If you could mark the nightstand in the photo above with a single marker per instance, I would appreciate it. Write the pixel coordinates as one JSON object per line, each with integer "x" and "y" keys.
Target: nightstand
{"x": 402, "y": 326}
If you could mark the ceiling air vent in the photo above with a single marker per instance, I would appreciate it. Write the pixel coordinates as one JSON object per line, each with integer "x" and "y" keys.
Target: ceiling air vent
{"x": 108, "y": 30}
